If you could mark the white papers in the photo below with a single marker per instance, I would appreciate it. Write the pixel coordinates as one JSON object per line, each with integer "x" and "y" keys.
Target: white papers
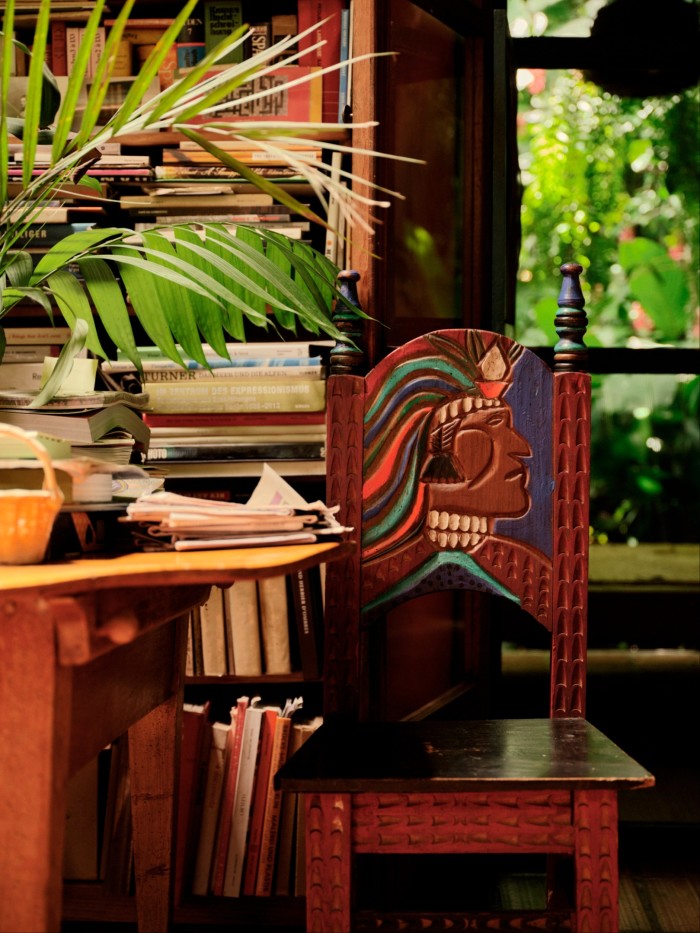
{"x": 274, "y": 514}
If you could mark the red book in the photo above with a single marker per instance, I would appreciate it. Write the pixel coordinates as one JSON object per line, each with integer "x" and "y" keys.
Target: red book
{"x": 273, "y": 809}
{"x": 232, "y": 419}
{"x": 310, "y": 12}
{"x": 59, "y": 58}
{"x": 233, "y": 754}
{"x": 298, "y": 104}
{"x": 257, "y": 815}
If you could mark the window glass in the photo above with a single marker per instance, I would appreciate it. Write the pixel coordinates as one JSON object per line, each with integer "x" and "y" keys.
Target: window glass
{"x": 613, "y": 182}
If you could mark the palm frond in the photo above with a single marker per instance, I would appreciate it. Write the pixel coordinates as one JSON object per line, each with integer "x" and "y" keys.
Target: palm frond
{"x": 186, "y": 284}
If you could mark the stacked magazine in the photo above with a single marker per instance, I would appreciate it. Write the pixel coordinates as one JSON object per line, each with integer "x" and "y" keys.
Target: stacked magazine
{"x": 275, "y": 514}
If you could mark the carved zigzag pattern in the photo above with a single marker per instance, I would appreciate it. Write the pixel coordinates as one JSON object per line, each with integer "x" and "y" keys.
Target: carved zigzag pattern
{"x": 345, "y": 409}
{"x": 570, "y": 597}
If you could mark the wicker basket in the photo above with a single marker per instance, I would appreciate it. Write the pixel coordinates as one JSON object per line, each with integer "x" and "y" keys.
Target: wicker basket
{"x": 28, "y": 515}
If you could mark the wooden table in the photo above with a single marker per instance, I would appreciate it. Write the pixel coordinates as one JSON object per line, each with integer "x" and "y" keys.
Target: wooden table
{"x": 89, "y": 650}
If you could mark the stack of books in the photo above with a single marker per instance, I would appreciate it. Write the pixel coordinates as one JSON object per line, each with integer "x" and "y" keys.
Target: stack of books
{"x": 265, "y": 403}
{"x": 104, "y": 425}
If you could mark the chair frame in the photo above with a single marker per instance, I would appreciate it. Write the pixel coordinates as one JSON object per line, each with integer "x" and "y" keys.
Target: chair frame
{"x": 453, "y": 805}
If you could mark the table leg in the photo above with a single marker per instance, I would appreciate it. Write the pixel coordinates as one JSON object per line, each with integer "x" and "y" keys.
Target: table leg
{"x": 154, "y": 764}
{"x": 35, "y": 697}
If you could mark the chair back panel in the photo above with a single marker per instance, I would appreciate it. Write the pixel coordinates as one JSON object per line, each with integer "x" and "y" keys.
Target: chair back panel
{"x": 461, "y": 461}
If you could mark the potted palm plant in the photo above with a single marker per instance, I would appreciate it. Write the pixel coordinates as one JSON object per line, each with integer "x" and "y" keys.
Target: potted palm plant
{"x": 185, "y": 287}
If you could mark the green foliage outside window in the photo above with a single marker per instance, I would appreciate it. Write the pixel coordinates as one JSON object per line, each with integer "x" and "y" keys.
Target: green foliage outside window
{"x": 614, "y": 183}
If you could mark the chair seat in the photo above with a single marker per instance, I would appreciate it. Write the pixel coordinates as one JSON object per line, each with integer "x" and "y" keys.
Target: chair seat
{"x": 443, "y": 757}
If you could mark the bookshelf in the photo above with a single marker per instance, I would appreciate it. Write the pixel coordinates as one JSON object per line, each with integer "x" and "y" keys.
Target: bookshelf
{"x": 452, "y": 48}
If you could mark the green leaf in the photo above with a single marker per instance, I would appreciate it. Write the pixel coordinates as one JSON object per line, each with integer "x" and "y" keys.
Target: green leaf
{"x": 637, "y": 251}
{"x": 63, "y": 365}
{"x": 76, "y": 80}
{"x": 101, "y": 80}
{"x": 661, "y": 287}
{"x": 213, "y": 318}
{"x": 106, "y": 294}
{"x": 74, "y": 305}
{"x": 149, "y": 70}
{"x": 73, "y": 246}
{"x": 19, "y": 268}
{"x": 6, "y": 58}
{"x": 35, "y": 83}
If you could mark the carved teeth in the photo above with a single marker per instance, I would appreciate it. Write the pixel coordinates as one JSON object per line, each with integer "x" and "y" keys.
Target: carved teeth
{"x": 453, "y": 521}
{"x": 443, "y": 520}
{"x": 433, "y": 518}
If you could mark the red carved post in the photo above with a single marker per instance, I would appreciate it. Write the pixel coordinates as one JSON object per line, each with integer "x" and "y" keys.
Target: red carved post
{"x": 571, "y": 469}
{"x": 344, "y": 450}
{"x": 328, "y": 862}
{"x": 595, "y": 824}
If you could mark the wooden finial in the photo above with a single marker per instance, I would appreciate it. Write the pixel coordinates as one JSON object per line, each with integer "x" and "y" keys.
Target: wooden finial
{"x": 570, "y": 353}
{"x": 348, "y": 357}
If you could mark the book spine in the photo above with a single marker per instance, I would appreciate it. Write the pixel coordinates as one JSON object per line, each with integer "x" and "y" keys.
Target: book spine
{"x": 241, "y": 811}
{"x": 59, "y": 60}
{"x": 308, "y": 616}
{"x": 228, "y": 419}
{"x": 259, "y": 37}
{"x": 273, "y": 809}
{"x": 259, "y": 801}
{"x": 199, "y": 170}
{"x": 221, "y": 18}
{"x": 330, "y": 55}
{"x": 189, "y": 54}
{"x": 210, "y": 808}
{"x": 29, "y": 353}
{"x": 51, "y": 233}
{"x": 274, "y": 624}
{"x": 74, "y": 36}
{"x": 37, "y": 335}
{"x": 231, "y": 373}
{"x": 211, "y": 616}
{"x": 97, "y": 51}
{"x": 289, "y": 366}
{"x": 250, "y": 351}
{"x": 343, "y": 76}
{"x": 309, "y": 13}
{"x": 193, "y": 750}
{"x": 243, "y": 621}
{"x": 23, "y": 377}
{"x": 279, "y": 395}
{"x": 262, "y": 97}
{"x": 272, "y": 451}
{"x": 229, "y": 796}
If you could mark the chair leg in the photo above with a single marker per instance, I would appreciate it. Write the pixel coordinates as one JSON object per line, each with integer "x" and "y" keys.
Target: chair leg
{"x": 328, "y": 862}
{"x": 595, "y": 828}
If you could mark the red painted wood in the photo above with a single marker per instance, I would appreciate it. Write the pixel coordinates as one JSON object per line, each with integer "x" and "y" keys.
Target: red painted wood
{"x": 328, "y": 862}
{"x": 345, "y": 403}
{"x": 462, "y": 461}
{"x": 570, "y": 612}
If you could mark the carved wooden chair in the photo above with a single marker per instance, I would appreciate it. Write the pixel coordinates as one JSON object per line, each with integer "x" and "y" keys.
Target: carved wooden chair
{"x": 461, "y": 461}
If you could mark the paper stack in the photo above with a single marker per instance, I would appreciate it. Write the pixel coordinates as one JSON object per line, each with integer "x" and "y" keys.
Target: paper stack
{"x": 275, "y": 514}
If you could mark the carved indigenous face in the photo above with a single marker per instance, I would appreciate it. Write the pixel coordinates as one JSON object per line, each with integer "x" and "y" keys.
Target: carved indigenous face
{"x": 485, "y": 478}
